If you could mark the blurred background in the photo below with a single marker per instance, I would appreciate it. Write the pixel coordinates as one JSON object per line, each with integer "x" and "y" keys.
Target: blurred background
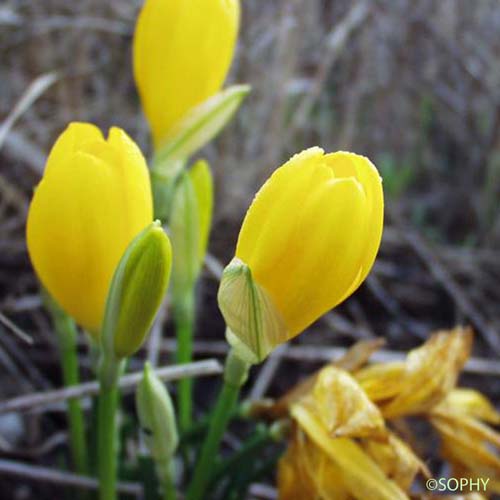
{"x": 412, "y": 84}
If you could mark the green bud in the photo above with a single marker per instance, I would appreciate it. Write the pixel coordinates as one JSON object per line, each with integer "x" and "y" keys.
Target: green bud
{"x": 156, "y": 416}
{"x": 190, "y": 220}
{"x": 203, "y": 183}
{"x": 254, "y": 325}
{"x": 136, "y": 292}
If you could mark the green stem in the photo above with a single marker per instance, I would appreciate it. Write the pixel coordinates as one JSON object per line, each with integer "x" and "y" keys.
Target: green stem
{"x": 248, "y": 450}
{"x": 67, "y": 339}
{"x": 165, "y": 478}
{"x": 241, "y": 481}
{"x": 163, "y": 176}
{"x": 235, "y": 374}
{"x": 199, "y": 428}
{"x": 147, "y": 475}
{"x": 184, "y": 312}
{"x": 107, "y": 432}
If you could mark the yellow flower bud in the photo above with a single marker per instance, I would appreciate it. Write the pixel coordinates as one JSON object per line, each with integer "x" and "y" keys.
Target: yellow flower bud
{"x": 182, "y": 53}
{"x": 95, "y": 196}
{"x": 308, "y": 241}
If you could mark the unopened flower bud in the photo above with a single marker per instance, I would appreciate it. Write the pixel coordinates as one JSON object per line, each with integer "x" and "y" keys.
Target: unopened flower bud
{"x": 137, "y": 290}
{"x": 190, "y": 221}
{"x": 156, "y": 416}
{"x": 173, "y": 72}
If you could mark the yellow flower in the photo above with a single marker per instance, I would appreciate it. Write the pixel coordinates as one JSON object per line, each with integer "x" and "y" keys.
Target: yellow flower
{"x": 95, "y": 196}
{"x": 182, "y": 53}
{"x": 308, "y": 241}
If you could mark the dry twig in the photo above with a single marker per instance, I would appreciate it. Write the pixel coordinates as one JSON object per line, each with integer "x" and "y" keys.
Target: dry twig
{"x": 127, "y": 382}
{"x": 63, "y": 478}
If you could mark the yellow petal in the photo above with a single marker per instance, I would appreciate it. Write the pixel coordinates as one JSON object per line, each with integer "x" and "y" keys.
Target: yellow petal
{"x": 470, "y": 447}
{"x": 83, "y": 215}
{"x": 359, "y": 354}
{"x": 294, "y": 480}
{"x": 182, "y": 53}
{"x": 343, "y": 407}
{"x": 353, "y": 359}
{"x": 396, "y": 459}
{"x": 468, "y": 402}
{"x": 362, "y": 476}
{"x": 382, "y": 381}
{"x": 431, "y": 372}
{"x": 368, "y": 176}
{"x": 73, "y": 139}
{"x": 307, "y": 472}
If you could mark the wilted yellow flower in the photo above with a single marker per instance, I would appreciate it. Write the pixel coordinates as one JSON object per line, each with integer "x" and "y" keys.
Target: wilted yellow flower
{"x": 341, "y": 447}
{"x": 308, "y": 241}
{"x": 95, "y": 196}
{"x": 338, "y": 420}
{"x": 182, "y": 53}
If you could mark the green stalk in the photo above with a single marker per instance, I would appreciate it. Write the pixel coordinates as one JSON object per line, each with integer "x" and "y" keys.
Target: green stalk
{"x": 184, "y": 317}
{"x": 67, "y": 339}
{"x": 235, "y": 374}
{"x": 165, "y": 477}
{"x": 199, "y": 428}
{"x": 107, "y": 432}
{"x": 245, "y": 454}
{"x": 241, "y": 481}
